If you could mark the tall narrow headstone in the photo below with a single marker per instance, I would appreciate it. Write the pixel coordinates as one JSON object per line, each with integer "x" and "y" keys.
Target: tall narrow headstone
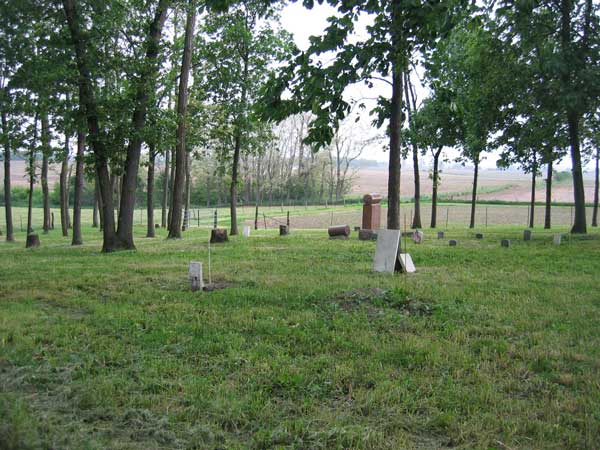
{"x": 371, "y": 217}
{"x": 246, "y": 231}
{"x": 526, "y": 235}
{"x": 195, "y": 276}
{"x": 557, "y": 239}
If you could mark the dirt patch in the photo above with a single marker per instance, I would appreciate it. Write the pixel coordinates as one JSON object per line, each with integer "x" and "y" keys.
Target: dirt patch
{"x": 377, "y": 300}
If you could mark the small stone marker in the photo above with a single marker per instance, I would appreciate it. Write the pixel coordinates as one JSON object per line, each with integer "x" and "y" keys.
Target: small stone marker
{"x": 218, "y": 235}
{"x": 386, "y": 252}
{"x": 367, "y": 235}
{"x": 557, "y": 239}
{"x": 440, "y": 235}
{"x": 406, "y": 263}
{"x": 33, "y": 241}
{"x": 417, "y": 237}
{"x": 195, "y": 275}
{"x": 283, "y": 230}
{"x": 157, "y": 225}
{"x": 356, "y": 228}
{"x": 407, "y": 234}
{"x": 479, "y": 236}
{"x": 452, "y": 242}
{"x": 505, "y": 243}
{"x": 527, "y": 235}
{"x": 339, "y": 232}
{"x": 246, "y": 231}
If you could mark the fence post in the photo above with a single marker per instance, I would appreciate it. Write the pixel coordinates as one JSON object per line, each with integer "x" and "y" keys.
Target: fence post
{"x": 447, "y": 210}
{"x": 215, "y": 220}
{"x": 288, "y": 220}
{"x": 486, "y": 216}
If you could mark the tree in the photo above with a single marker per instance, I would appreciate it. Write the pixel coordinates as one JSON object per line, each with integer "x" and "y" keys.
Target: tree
{"x": 182, "y": 103}
{"x": 238, "y": 48}
{"x": 142, "y": 78}
{"x": 399, "y": 29}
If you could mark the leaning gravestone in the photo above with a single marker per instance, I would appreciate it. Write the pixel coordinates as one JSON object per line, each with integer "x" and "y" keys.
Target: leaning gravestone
{"x": 526, "y": 235}
{"x": 387, "y": 254}
{"x": 195, "y": 276}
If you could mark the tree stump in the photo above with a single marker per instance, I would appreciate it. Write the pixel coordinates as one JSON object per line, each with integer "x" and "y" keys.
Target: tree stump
{"x": 218, "y": 235}
{"x": 33, "y": 241}
{"x": 339, "y": 232}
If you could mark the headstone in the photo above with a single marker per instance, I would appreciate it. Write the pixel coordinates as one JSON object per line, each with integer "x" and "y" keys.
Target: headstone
{"x": 440, "y": 235}
{"x": 527, "y": 235}
{"x": 505, "y": 243}
{"x": 452, "y": 242}
{"x": 406, "y": 263}
{"x": 157, "y": 225}
{"x": 246, "y": 231}
{"x": 557, "y": 239}
{"x": 283, "y": 230}
{"x": 479, "y": 236}
{"x": 417, "y": 237}
{"x": 218, "y": 235}
{"x": 356, "y": 228}
{"x": 33, "y": 240}
{"x": 407, "y": 234}
{"x": 339, "y": 232}
{"x": 195, "y": 276}
{"x": 386, "y": 252}
{"x": 371, "y": 218}
{"x": 367, "y": 235}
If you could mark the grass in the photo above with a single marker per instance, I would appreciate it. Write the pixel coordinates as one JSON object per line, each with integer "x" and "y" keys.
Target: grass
{"x": 485, "y": 347}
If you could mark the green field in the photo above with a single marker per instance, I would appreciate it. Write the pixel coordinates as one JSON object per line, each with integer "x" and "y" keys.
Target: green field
{"x": 303, "y": 347}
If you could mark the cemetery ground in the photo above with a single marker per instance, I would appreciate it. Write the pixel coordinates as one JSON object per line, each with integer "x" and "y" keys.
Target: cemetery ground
{"x": 303, "y": 347}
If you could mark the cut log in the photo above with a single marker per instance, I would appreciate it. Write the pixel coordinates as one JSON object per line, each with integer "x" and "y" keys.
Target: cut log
{"x": 218, "y": 235}
{"x": 33, "y": 240}
{"x": 339, "y": 232}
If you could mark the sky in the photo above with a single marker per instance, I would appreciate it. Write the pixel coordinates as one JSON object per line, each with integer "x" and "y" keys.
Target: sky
{"x": 303, "y": 23}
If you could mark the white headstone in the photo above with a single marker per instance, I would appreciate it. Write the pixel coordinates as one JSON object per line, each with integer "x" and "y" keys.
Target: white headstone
{"x": 386, "y": 252}
{"x": 557, "y": 238}
{"x": 195, "y": 275}
{"x": 246, "y": 231}
{"x": 406, "y": 263}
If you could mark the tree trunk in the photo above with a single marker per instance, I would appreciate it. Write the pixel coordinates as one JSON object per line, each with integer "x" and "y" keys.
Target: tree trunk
{"x": 233, "y": 187}
{"x": 101, "y": 209}
{"x": 31, "y": 176}
{"x": 64, "y": 209}
{"x": 188, "y": 188}
{"x": 474, "y": 195}
{"x": 416, "y": 223}
{"x": 393, "y": 213}
{"x": 95, "y": 211}
{"x": 596, "y": 188}
{"x": 145, "y": 85}
{"x": 579, "y": 223}
{"x": 165, "y": 194}
{"x": 7, "y": 188}
{"x": 434, "y": 193}
{"x": 77, "y": 238}
{"x": 548, "y": 212}
{"x": 88, "y": 102}
{"x": 44, "y": 178}
{"x": 176, "y": 201}
{"x": 532, "y": 203}
{"x": 150, "y": 192}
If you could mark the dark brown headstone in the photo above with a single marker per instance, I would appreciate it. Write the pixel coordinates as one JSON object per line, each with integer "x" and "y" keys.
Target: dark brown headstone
{"x": 283, "y": 230}
{"x": 218, "y": 235}
{"x": 33, "y": 240}
{"x": 371, "y": 217}
{"x": 339, "y": 232}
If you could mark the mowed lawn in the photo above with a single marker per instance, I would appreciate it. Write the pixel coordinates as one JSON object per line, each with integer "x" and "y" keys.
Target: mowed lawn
{"x": 484, "y": 348}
